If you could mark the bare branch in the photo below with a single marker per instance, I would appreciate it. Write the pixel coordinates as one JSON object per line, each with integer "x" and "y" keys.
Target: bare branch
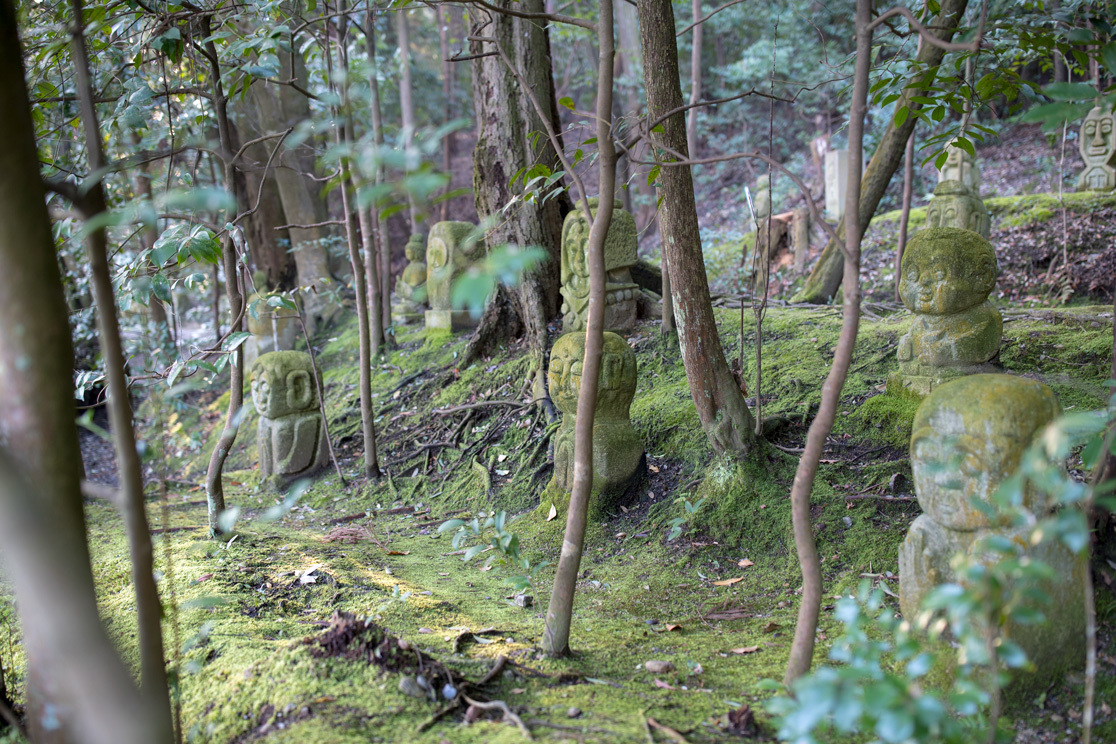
{"x": 928, "y": 35}
{"x": 312, "y": 225}
{"x": 554, "y": 17}
{"x": 706, "y": 18}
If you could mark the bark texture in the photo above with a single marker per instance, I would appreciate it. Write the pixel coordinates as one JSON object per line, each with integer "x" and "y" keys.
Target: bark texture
{"x": 721, "y": 408}
{"x": 506, "y": 125}
{"x": 825, "y": 279}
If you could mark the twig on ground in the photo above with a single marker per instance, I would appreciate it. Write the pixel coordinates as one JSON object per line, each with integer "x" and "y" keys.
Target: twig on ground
{"x": 671, "y": 733}
{"x": 501, "y": 706}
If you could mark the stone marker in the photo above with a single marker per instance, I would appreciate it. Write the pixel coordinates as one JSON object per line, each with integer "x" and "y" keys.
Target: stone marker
{"x": 836, "y": 182}
{"x": 968, "y": 437}
{"x": 291, "y": 437}
{"x": 946, "y": 277}
{"x": 800, "y": 239}
{"x": 954, "y": 205}
{"x": 962, "y": 167}
{"x": 617, "y": 449}
{"x": 449, "y": 252}
{"x": 1097, "y": 144}
{"x": 410, "y": 288}
{"x": 620, "y": 255}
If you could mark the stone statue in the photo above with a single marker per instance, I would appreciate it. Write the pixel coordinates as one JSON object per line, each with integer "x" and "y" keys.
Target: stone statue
{"x": 962, "y": 167}
{"x": 449, "y": 252}
{"x": 954, "y": 205}
{"x": 1097, "y": 144}
{"x": 617, "y": 449}
{"x": 946, "y": 277}
{"x": 410, "y": 288}
{"x": 291, "y": 437}
{"x": 620, "y": 254}
{"x": 836, "y": 182}
{"x": 272, "y": 328}
{"x": 968, "y": 437}
{"x": 762, "y": 204}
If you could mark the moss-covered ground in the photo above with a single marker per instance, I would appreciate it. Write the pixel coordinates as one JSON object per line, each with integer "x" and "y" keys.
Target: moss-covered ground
{"x": 458, "y": 443}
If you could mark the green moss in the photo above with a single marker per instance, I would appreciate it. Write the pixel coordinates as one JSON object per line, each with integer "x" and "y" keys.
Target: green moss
{"x": 884, "y": 418}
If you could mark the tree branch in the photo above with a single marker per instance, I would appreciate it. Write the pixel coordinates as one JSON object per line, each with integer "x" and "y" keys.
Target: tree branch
{"x": 700, "y": 21}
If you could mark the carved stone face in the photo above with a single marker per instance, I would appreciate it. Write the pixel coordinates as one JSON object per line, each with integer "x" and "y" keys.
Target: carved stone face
{"x": 620, "y": 254}
{"x": 414, "y": 250}
{"x": 946, "y": 270}
{"x": 1097, "y": 142}
{"x": 954, "y": 206}
{"x": 962, "y": 167}
{"x": 617, "y": 383}
{"x": 448, "y": 252}
{"x": 282, "y": 384}
{"x": 968, "y": 436}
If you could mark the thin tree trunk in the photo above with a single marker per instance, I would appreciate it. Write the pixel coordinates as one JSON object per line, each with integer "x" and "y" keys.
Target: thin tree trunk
{"x": 37, "y": 418}
{"x": 156, "y": 313}
{"x": 378, "y": 220}
{"x": 556, "y": 637}
{"x": 406, "y": 99}
{"x": 824, "y": 280}
{"x": 721, "y": 408}
{"x": 905, "y": 217}
{"x": 447, "y": 96}
{"x": 695, "y": 81}
{"x": 802, "y": 647}
{"x": 148, "y": 608}
{"x": 214, "y": 486}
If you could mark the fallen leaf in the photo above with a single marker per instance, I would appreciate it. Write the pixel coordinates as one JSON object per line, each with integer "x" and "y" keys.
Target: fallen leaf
{"x": 728, "y": 582}
{"x": 771, "y": 627}
{"x": 399, "y": 552}
{"x": 486, "y": 568}
{"x": 518, "y": 690}
{"x": 325, "y": 699}
{"x": 625, "y": 510}
{"x": 501, "y": 458}
{"x": 671, "y": 626}
{"x": 744, "y": 563}
{"x": 425, "y": 631}
{"x": 661, "y": 685}
{"x": 653, "y": 468}
{"x": 552, "y": 513}
{"x": 746, "y": 650}
{"x": 203, "y": 577}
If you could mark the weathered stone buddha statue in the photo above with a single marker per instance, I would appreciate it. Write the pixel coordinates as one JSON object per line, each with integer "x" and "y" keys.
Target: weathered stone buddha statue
{"x": 449, "y": 252}
{"x": 1097, "y": 144}
{"x": 291, "y": 437}
{"x": 961, "y": 167}
{"x": 953, "y": 205}
{"x": 968, "y": 437}
{"x": 620, "y": 254}
{"x": 410, "y": 288}
{"x": 617, "y": 449}
{"x": 946, "y": 277}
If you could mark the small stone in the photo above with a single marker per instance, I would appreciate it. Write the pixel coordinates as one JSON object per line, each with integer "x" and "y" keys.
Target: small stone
{"x": 524, "y": 600}
{"x": 658, "y": 667}
{"x": 573, "y": 712}
{"x": 409, "y": 686}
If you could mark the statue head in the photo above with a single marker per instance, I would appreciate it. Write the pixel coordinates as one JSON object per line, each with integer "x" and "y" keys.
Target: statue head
{"x": 283, "y": 383}
{"x": 968, "y": 436}
{"x": 415, "y": 250}
{"x": 616, "y": 385}
{"x": 962, "y": 167}
{"x": 954, "y": 205}
{"x": 449, "y": 250}
{"x": 946, "y": 270}
{"x": 620, "y": 249}
{"x": 763, "y": 183}
{"x": 1097, "y": 142}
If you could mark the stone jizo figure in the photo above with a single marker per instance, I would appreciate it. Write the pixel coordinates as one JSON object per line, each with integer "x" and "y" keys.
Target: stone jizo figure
{"x": 291, "y": 437}
{"x": 449, "y": 252}
{"x": 954, "y": 205}
{"x": 946, "y": 277}
{"x": 1097, "y": 144}
{"x": 961, "y": 167}
{"x": 410, "y": 288}
{"x": 968, "y": 437}
{"x": 617, "y": 449}
{"x": 761, "y": 204}
{"x": 620, "y": 254}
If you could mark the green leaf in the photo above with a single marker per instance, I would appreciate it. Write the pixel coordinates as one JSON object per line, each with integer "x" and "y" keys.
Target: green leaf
{"x": 567, "y": 102}
{"x": 473, "y": 552}
{"x": 1070, "y": 91}
{"x": 901, "y": 115}
{"x": 1108, "y": 54}
{"x": 160, "y": 287}
{"x": 236, "y": 339}
{"x": 965, "y": 145}
{"x": 226, "y": 520}
{"x": 451, "y": 524}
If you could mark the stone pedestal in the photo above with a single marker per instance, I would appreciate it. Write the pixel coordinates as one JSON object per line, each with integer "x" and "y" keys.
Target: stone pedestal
{"x": 968, "y": 437}
{"x": 1097, "y": 145}
{"x": 946, "y": 277}
{"x": 291, "y": 436}
{"x": 620, "y": 255}
{"x": 449, "y": 252}
{"x": 836, "y": 182}
{"x": 617, "y": 448}
{"x": 410, "y": 288}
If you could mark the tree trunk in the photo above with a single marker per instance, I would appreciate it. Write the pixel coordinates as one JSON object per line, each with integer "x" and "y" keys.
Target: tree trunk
{"x": 149, "y": 610}
{"x": 559, "y": 613}
{"x": 406, "y": 102}
{"x": 824, "y": 280}
{"x": 721, "y": 408}
{"x": 905, "y": 217}
{"x": 695, "y": 81}
{"x": 505, "y": 120}
{"x": 380, "y": 222}
{"x": 629, "y": 68}
{"x": 37, "y": 418}
{"x": 806, "y": 626}
{"x": 157, "y": 320}
{"x": 447, "y": 96}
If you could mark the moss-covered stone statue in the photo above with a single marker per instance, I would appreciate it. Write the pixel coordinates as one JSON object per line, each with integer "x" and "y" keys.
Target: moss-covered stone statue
{"x": 617, "y": 449}
{"x": 968, "y": 437}
{"x": 761, "y": 205}
{"x": 410, "y": 288}
{"x": 620, "y": 254}
{"x": 953, "y": 205}
{"x": 291, "y": 437}
{"x": 449, "y": 252}
{"x": 961, "y": 167}
{"x": 946, "y": 277}
{"x": 1097, "y": 144}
